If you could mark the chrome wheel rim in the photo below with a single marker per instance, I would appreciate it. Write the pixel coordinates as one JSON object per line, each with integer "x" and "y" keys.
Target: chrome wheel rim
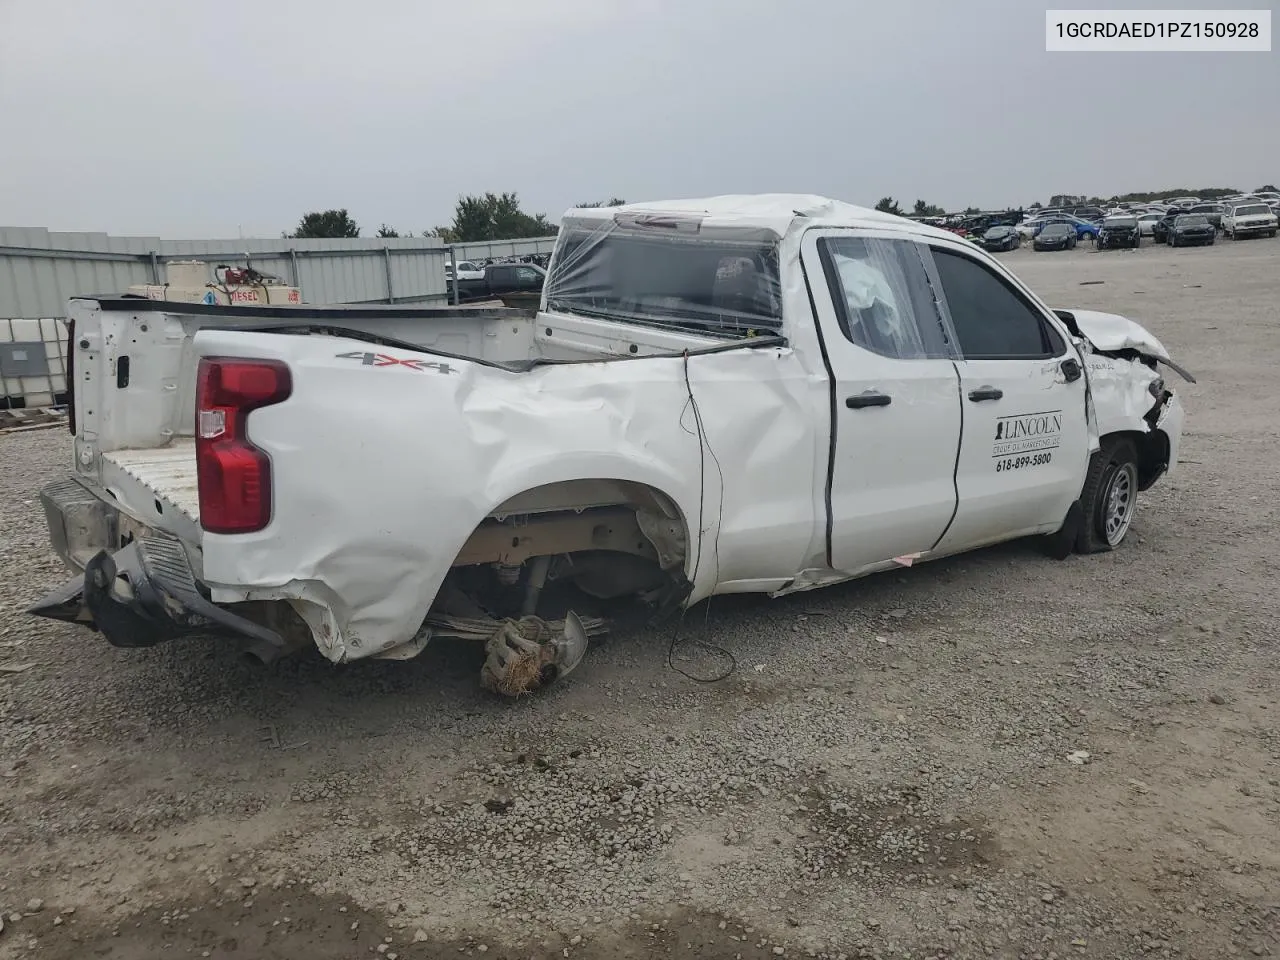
{"x": 1119, "y": 503}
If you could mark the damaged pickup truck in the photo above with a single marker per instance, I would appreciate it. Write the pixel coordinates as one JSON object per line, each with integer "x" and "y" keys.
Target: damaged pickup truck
{"x": 744, "y": 394}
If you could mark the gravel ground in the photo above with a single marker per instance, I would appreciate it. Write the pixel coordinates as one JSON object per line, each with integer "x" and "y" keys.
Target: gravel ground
{"x": 886, "y": 774}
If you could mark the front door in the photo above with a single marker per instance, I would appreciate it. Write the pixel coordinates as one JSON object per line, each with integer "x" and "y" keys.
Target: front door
{"x": 1026, "y": 440}
{"x": 897, "y": 402}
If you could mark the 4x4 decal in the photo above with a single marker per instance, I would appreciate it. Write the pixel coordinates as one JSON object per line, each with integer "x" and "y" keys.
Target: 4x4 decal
{"x": 369, "y": 359}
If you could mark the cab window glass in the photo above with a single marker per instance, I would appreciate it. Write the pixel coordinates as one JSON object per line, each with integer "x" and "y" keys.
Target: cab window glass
{"x": 992, "y": 321}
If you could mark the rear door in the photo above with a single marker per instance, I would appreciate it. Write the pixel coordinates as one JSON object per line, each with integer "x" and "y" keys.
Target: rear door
{"x": 1026, "y": 436}
{"x": 897, "y": 406}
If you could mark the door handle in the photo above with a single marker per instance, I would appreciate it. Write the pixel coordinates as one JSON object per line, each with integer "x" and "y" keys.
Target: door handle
{"x": 985, "y": 393}
{"x": 868, "y": 398}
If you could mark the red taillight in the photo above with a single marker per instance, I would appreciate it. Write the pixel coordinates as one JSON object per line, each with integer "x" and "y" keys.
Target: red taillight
{"x": 234, "y": 476}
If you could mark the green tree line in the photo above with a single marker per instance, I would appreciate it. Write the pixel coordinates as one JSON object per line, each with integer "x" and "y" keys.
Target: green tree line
{"x": 489, "y": 216}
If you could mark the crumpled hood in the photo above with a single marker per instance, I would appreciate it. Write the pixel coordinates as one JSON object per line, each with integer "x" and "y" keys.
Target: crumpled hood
{"x": 1110, "y": 331}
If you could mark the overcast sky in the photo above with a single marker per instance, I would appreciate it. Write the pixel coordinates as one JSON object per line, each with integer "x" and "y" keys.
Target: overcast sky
{"x": 184, "y": 119}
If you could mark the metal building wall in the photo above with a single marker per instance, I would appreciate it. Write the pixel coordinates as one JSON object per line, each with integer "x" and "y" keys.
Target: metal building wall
{"x": 40, "y": 271}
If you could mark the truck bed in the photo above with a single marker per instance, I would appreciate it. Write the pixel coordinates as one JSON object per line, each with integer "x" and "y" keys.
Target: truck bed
{"x": 166, "y": 474}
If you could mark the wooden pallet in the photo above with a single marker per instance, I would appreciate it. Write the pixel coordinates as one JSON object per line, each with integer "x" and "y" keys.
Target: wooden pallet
{"x": 32, "y": 418}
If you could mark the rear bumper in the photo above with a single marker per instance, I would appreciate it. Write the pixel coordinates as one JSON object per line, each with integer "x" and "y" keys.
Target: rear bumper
{"x": 136, "y": 594}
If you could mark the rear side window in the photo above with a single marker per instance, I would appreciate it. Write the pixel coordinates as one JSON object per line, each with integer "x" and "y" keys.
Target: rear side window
{"x": 883, "y": 298}
{"x": 992, "y": 321}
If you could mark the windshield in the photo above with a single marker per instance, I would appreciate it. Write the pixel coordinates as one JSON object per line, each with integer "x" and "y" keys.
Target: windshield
{"x": 666, "y": 278}
{"x": 994, "y": 232}
{"x": 1192, "y": 220}
{"x": 1120, "y": 222}
{"x": 1056, "y": 230}
{"x": 1207, "y": 208}
{"x": 1252, "y": 210}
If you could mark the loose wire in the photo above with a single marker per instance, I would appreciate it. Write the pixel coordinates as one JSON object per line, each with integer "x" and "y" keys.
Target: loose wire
{"x": 704, "y": 448}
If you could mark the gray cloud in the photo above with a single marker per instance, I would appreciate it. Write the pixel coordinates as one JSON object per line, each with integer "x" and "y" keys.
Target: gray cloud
{"x": 186, "y": 119}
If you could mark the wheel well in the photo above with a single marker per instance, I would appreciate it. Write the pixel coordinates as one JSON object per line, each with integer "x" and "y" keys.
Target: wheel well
{"x": 582, "y": 515}
{"x": 1153, "y": 453}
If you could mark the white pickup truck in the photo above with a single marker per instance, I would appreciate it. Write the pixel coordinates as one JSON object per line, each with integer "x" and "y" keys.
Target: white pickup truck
{"x": 741, "y": 394}
{"x": 1249, "y": 219}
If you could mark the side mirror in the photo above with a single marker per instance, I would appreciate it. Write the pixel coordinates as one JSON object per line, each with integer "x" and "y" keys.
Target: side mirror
{"x": 1071, "y": 369}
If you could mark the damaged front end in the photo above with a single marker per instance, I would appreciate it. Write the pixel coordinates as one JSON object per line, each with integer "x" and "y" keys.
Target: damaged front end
{"x": 1129, "y": 393}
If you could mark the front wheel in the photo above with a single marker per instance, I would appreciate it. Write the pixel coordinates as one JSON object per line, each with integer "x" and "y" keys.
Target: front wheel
{"x": 1110, "y": 497}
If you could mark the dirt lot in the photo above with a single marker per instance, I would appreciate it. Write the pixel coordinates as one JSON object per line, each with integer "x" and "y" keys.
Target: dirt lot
{"x": 885, "y": 774}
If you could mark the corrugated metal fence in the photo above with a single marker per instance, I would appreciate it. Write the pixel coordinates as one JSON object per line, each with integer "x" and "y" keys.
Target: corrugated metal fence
{"x": 40, "y": 271}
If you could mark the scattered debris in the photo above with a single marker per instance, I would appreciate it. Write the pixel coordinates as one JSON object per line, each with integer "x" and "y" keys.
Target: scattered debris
{"x": 36, "y": 418}
{"x": 1217, "y": 698}
{"x": 273, "y": 738}
{"x": 1091, "y": 283}
{"x": 1079, "y": 757}
{"x": 16, "y": 667}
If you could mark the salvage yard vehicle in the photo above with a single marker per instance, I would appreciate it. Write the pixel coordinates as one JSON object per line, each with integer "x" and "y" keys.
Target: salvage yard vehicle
{"x": 1212, "y": 212}
{"x": 1147, "y": 223}
{"x": 1192, "y": 229}
{"x": 743, "y": 394}
{"x": 1249, "y": 220}
{"x": 1119, "y": 231}
{"x": 497, "y": 279}
{"x": 1055, "y": 236}
{"x": 1001, "y": 237}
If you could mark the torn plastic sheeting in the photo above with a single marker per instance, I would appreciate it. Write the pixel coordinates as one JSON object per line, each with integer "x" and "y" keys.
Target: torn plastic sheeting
{"x": 424, "y": 456}
{"x": 630, "y": 271}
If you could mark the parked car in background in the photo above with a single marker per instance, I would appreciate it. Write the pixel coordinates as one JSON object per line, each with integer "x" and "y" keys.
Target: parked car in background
{"x": 1085, "y": 228}
{"x": 1055, "y": 236}
{"x": 1120, "y": 231}
{"x": 467, "y": 270}
{"x": 1162, "y": 226}
{"x": 1028, "y": 227}
{"x": 1212, "y": 211}
{"x": 1147, "y": 223}
{"x": 1249, "y": 220}
{"x": 1192, "y": 229}
{"x": 1000, "y": 238}
{"x": 501, "y": 279}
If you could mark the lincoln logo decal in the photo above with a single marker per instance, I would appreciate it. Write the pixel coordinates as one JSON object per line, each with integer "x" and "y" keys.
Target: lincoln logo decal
{"x": 1024, "y": 432}
{"x": 369, "y": 359}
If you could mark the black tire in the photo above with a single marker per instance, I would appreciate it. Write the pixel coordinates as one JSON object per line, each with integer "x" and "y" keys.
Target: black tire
{"x": 1271, "y": 234}
{"x": 1113, "y": 470}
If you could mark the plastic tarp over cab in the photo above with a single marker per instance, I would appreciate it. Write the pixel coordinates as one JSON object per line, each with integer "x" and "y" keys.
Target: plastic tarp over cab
{"x": 668, "y": 270}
